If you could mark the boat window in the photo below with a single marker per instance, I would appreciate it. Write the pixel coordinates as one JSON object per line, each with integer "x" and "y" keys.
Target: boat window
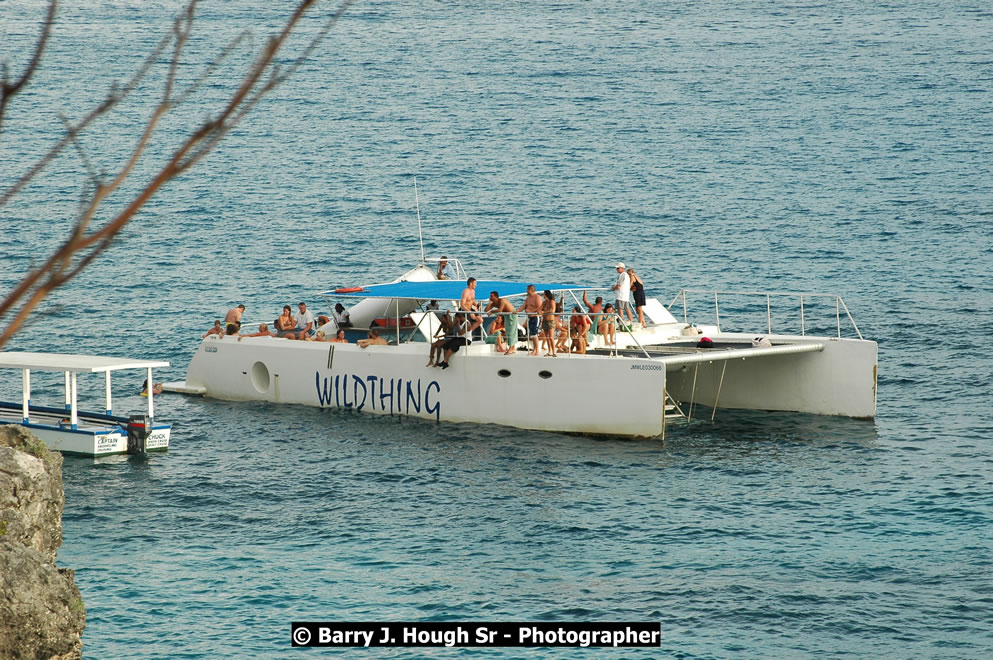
{"x": 545, "y": 374}
{"x": 503, "y": 373}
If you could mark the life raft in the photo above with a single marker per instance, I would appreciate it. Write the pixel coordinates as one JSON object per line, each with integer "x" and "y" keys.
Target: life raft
{"x": 348, "y": 289}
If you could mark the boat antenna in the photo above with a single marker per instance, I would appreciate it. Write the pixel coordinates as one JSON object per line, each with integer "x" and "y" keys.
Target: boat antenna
{"x": 420, "y": 235}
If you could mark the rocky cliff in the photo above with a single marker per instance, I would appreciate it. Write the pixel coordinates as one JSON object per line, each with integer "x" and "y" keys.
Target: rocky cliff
{"x": 41, "y": 610}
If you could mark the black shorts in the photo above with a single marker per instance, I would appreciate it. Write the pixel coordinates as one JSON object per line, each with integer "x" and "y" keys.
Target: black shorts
{"x": 455, "y": 343}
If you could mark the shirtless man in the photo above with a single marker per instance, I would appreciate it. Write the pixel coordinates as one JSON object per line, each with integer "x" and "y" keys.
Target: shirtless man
{"x": 509, "y": 313}
{"x": 596, "y": 309}
{"x": 532, "y": 306}
{"x": 441, "y": 336}
{"x": 232, "y": 321}
{"x": 373, "y": 340}
{"x": 263, "y": 332}
{"x": 216, "y": 330}
{"x": 468, "y": 304}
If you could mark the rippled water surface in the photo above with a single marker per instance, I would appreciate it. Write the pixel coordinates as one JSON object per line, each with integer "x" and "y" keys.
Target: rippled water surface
{"x": 838, "y": 147}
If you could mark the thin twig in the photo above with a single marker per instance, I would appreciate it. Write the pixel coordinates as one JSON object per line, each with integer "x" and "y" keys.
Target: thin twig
{"x": 8, "y": 90}
{"x": 261, "y": 78}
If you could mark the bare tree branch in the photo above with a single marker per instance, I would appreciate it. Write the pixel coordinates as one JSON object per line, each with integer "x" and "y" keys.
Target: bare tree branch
{"x": 115, "y": 96}
{"x": 84, "y": 243}
{"x": 7, "y": 89}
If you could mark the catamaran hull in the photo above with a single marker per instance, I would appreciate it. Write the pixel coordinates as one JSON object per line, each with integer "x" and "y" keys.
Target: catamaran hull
{"x": 82, "y": 442}
{"x": 564, "y": 394}
{"x": 839, "y": 379}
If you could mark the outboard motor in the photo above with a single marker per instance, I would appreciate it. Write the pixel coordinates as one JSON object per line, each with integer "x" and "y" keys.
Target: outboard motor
{"x": 139, "y": 428}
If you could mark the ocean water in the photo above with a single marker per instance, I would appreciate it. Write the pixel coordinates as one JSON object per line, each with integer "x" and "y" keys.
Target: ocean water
{"x": 821, "y": 147}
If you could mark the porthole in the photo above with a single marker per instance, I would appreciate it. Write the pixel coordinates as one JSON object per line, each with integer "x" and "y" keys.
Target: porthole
{"x": 503, "y": 373}
{"x": 545, "y": 374}
{"x": 260, "y": 377}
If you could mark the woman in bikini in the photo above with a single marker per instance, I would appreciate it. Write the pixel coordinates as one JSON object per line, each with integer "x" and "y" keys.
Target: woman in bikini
{"x": 548, "y": 323}
{"x": 285, "y": 323}
{"x": 638, "y": 295}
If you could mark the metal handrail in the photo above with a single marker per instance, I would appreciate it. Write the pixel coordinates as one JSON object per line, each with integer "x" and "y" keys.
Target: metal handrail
{"x": 839, "y": 306}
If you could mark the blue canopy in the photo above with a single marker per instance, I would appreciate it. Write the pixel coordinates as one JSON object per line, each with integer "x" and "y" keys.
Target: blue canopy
{"x": 450, "y": 289}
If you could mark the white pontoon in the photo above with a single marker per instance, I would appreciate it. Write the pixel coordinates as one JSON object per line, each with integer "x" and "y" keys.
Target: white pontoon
{"x": 72, "y": 431}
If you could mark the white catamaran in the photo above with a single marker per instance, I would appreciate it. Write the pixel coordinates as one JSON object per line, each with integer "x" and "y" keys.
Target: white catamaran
{"x": 627, "y": 388}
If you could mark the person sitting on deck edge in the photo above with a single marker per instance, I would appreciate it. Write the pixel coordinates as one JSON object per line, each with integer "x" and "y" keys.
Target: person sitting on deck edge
{"x": 216, "y": 330}
{"x": 341, "y": 316}
{"x": 304, "y": 322}
{"x": 445, "y": 270}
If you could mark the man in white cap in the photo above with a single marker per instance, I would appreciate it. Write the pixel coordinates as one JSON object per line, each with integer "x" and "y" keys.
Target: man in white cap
{"x": 623, "y": 289}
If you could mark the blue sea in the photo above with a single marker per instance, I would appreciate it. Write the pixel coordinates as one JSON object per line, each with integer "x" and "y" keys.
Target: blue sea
{"x": 840, "y": 147}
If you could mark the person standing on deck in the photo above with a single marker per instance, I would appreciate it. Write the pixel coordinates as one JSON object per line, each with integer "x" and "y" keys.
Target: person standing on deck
{"x": 548, "y": 317}
{"x": 623, "y": 289}
{"x": 504, "y": 307}
{"x": 532, "y": 307}
{"x": 638, "y": 295}
{"x": 232, "y": 321}
{"x": 467, "y": 304}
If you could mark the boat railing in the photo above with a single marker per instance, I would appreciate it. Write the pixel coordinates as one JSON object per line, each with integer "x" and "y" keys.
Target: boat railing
{"x": 460, "y": 273}
{"x": 618, "y": 322}
{"x": 803, "y": 300}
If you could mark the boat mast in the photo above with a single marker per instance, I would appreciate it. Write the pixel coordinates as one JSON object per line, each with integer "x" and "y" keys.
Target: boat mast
{"x": 420, "y": 235}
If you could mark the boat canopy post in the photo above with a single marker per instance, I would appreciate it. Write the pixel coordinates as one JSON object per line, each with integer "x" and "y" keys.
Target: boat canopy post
{"x": 67, "y": 390}
{"x": 73, "y": 413}
{"x": 689, "y": 415}
{"x": 26, "y": 394}
{"x": 151, "y": 392}
{"x": 717, "y": 398}
{"x": 107, "y": 387}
